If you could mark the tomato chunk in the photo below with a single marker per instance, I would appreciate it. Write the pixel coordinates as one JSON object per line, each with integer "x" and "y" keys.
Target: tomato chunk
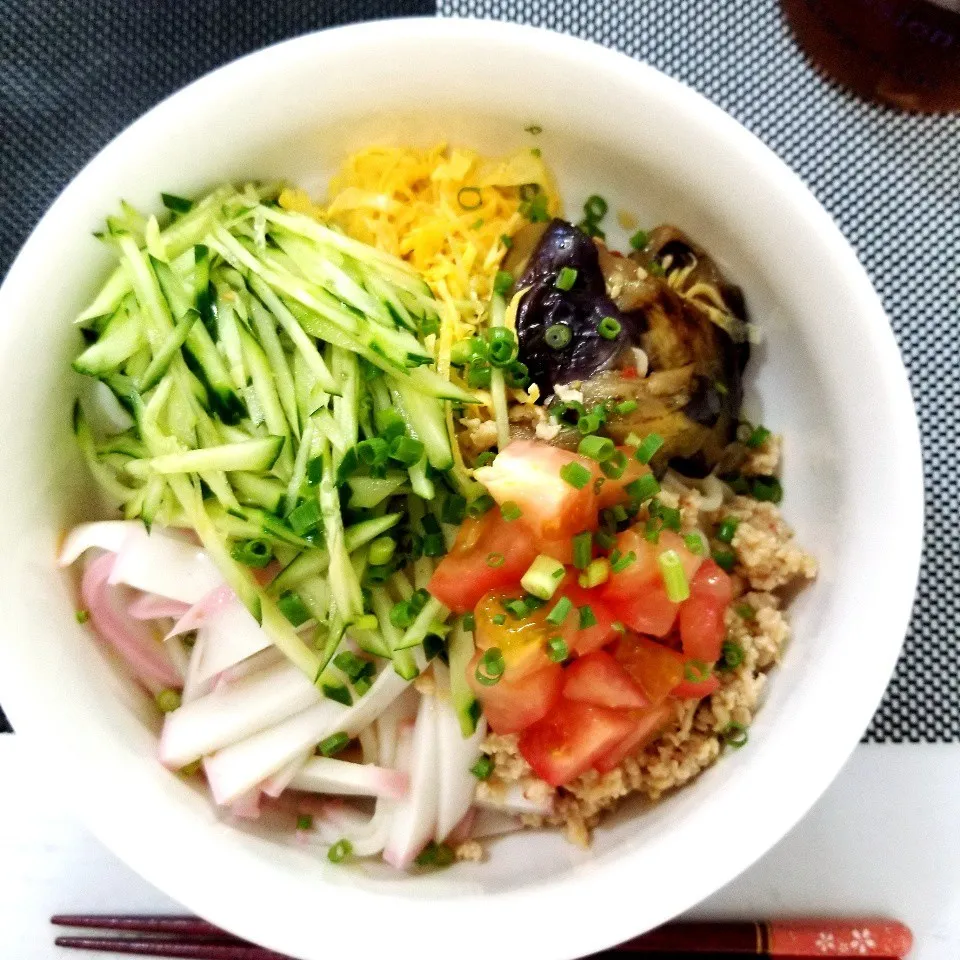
{"x": 511, "y": 706}
{"x": 648, "y": 725}
{"x": 584, "y": 640}
{"x": 693, "y": 689}
{"x": 656, "y": 668}
{"x": 702, "y": 615}
{"x": 612, "y": 491}
{"x": 521, "y": 641}
{"x": 527, "y": 473}
{"x": 571, "y": 738}
{"x": 598, "y": 678}
{"x": 489, "y": 552}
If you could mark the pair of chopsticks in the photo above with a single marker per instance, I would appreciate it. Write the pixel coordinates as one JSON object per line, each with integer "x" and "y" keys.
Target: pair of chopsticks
{"x": 191, "y": 938}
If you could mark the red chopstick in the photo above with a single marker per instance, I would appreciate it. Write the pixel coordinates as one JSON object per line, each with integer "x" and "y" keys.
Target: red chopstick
{"x": 190, "y": 938}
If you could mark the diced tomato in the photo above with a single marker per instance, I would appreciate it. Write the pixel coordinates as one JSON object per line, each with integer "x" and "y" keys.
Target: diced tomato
{"x": 590, "y": 638}
{"x": 637, "y": 595}
{"x": 527, "y": 473}
{"x": 522, "y": 642}
{"x": 702, "y": 615}
{"x": 648, "y": 724}
{"x": 473, "y": 567}
{"x": 689, "y": 690}
{"x": 560, "y": 549}
{"x": 656, "y": 668}
{"x": 511, "y": 706}
{"x": 571, "y": 738}
{"x": 597, "y": 678}
{"x": 613, "y": 492}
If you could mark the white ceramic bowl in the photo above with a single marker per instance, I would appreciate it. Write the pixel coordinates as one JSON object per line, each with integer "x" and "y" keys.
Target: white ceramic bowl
{"x": 829, "y": 377}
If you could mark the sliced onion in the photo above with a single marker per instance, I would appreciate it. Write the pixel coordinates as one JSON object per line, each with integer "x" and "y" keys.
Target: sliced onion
{"x": 415, "y": 817}
{"x": 494, "y": 823}
{"x": 105, "y": 534}
{"x": 514, "y": 801}
{"x": 275, "y": 785}
{"x": 160, "y": 563}
{"x": 247, "y": 805}
{"x": 206, "y": 608}
{"x": 193, "y": 689}
{"x": 134, "y": 640}
{"x": 229, "y": 714}
{"x": 149, "y": 606}
{"x": 343, "y": 778}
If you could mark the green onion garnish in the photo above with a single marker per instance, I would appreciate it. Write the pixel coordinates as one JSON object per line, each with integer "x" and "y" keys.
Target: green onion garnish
{"x": 305, "y": 518}
{"x": 597, "y": 572}
{"x": 168, "y": 700}
{"x": 587, "y": 617}
{"x": 510, "y": 511}
{"x": 767, "y": 489}
{"x": 252, "y": 553}
{"x": 582, "y": 550}
{"x": 502, "y": 346}
{"x": 517, "y": 609}
{"x": 490, "y": 668}
{"x": 735, "y": 735}
{"x": 82, "y": 616}
{"x": 696, "y": 671}
{"x": 560, "y": 612}
{"x": 340, "y": 851}
{"x": 597, "y": 448}
{"x": 462, "y": 353}
{"x": 731, "y": 655}
{"x": 507, "y": 241}
{"x": 373, "y": 452}
{"x": 502, "y": 283}
{"x": 177, "y": 204}
{"x": 482, "y": 768}
{"x": 304, "y": 822}
{"x": 745, "y": 611}
{"x": 434, "y": 545}
{"x": 674, "y": 576}
{"x": 543, "y": 576}
{"x": 518, "y": 375}
{"x": 352, "y": 665}
{"x": 724, "y": 558}
{"x": 436, "y": 855}
{"x": 590, "y": 423}
{"x": 694, "y": 543}
{"x": 535, "y": 210}
{"x": 534, "y": 129}
{"x": 390, "y": 425}
{"x": 557, "y": 649}
{"x": 495, "y": 560}
{"x": 614, "y": 466}
{"x": 528, "y": 191}
{"x": 333, "y": 744}
{"x": 639, "y": 240}
{"x": 499, "y": 619}
{"x": 338, "y": 692}
{"x": 624, "y": 407}
{"x": 604, "y": 540}
{"x": 454, "y": 509}
{"x": 381, "y": 551}
{"x": 758, "y": 437}
{"x": 726, "y": 530}
{"x": 485, "y": 459}
{"x": 293, "y": 608}
{"x": 470, "y": 198}
{"x": 620, "y": 561}
{"x": 469, "y": 622}
{"x": 566, "y": 278}
{"x": 595, "y": 208}
{"x": 576, "y": 474}
{"x": 651, "y": 444}
{"x": 480, "y": 505}
{"x": 401, "y": 615}
{"x": 643, "y": 488}
{"x": 406, "y": 450}
{"x": 609, "y": 328}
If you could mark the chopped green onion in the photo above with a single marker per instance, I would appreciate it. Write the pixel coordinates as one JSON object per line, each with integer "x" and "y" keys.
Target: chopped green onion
{"x": 576, "y": 474}
{"x": 528, "y": 191}
{"x": 558, "y": 336}
{"x": 758, "y": 437}
{"x": 731, "y": 655}
{"x": 767, "y": 489}
{"x": 338, "y": 692}
{"x": 293, "y": 608}
{"x": 436, "y": 855}
{"x": 566, "y": 278}
{"x": 390, "y": 425}
{"x": 402, "y": 615}
{"x": 464, "y": 352}
{"x": 633, "y": 440}
{"x": 597, "y": 448}
{"x": 495, "y": 560}
{"x": 434, "y": 545}
{"x": 168, "y": 700}
{"x": 656, "y": 268}
{"x": 499, "y": 619}
{"x": 485, "y": 459}
{"x": 305, "y": 518}
{"x": 517, "y": 609}
{"x": 333, "y": 744}
{"x": 557, "y": 649}
{"x": 694, "y": 543}
{"x": 624, "y": 407}
{"x": 651, "y": 444}
{"x": 568, "y": 412}
{"x": 614, "y": 466}
{"x": 587, "y": 617}
{"x": 535, "y": 129}
{"x": 643, "y": 488}
{"x": 609, "y": 328}
{"x": 482, "y": 768}
{"x": 639, "y": 240}
{"x": 479, "y": 375}
{"x": 590, "y": 423}
{"x": 674, "y": 576}
{"x": 591, "y": 228}
{"x": 373, "y": 452}
{"x": 620, "y": 561}
{"x": 560, "y": 612}
{"x": 651, "y": 530}
{"x": 304, "y": 822}
{"x": 502, "y": 283}
{"x": 490, "y": 668}
{"x": 507, "y": 241}
{"x": 363, "y": 684}
{"x": 543, "y": 576}
{"x": 735, "y": 735}
{"x": 406, "y": 450}
{"x": 470, "y": 198}
{"x": 724, "y": 558}
{"x": 535, "y": 210}
{"x": 726, "y": 530}
{"x": 502, "y": 346}
{"x": 669, "y": 517}
{"x": 177, "y": 204}
{"x": 745, "y": 611}
{"x": 252, "y": 553}
{"x": 381, "y": 550}
{"x": 518, "y": 375}
{"x": 469, "y": 622}
{"x": 454, "y": 509}
{"x": 82, "y": 616}
{"x": 582, "y": 550}
{"x": 480, "y": 505}
{"x": 340, "y": 851}
{"x": 510, "y": 511}
{"x": 595, "y": 208}
{"x": 696, "y": 671}
{"x": 352, "y": 665}
{"x": 604, "y": 540}
{"x": 597, "y": 572}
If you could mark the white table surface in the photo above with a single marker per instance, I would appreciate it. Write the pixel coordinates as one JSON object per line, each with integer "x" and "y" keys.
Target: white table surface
{"x": 884, "y": 841}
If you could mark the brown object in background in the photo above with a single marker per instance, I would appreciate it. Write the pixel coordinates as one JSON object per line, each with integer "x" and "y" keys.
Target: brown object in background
{"x": 904, "y": 53}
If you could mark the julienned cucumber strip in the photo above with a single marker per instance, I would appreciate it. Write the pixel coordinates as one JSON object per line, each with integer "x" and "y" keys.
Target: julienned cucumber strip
{"x": 167, "y": 351}
{"x": 416, "y": 633}
{"x": 424, "y": 416}
{"x": 367, "y": 492}
{"x": 343, "y": 579}
{"x": 121, "y": 338}
{"x": 256, "y": 490}
{"x": 460, "y": 649}
{"x": 252, "y": 455}
{"x": 403, "y": 661}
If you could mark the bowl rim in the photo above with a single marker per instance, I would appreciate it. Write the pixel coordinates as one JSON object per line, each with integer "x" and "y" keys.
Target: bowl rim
{"x": 610, "y": 884}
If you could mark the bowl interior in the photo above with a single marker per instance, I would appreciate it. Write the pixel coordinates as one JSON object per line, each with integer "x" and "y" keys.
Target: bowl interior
{"x": 827, "y": 376}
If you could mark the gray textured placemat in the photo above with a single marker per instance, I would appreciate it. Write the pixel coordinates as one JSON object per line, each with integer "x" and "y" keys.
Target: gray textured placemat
{"x": 892, "y": 182}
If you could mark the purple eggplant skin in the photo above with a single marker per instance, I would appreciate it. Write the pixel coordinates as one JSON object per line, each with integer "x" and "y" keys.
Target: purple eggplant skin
{"x": 580, "y": 309}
